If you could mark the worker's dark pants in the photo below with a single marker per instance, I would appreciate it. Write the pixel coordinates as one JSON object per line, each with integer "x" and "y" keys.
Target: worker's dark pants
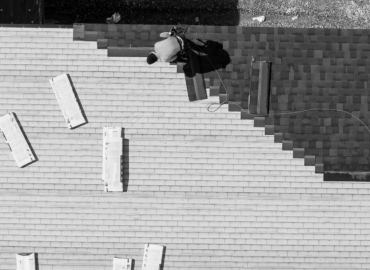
{"x": 186, "y": 42}
{"x": 182, "y": 56}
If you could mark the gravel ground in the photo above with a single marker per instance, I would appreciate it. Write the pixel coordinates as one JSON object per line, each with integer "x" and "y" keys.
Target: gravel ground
{"x": 311, "y": 13}
{"x": 278, "y": 13}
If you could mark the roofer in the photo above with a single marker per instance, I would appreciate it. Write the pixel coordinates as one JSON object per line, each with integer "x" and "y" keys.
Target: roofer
{"x": 167, "y": 50}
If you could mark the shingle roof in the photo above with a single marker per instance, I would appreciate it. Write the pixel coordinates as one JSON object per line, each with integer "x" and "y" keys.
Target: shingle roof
{"x": 212, "y": 188}
{"x": 323, "y": 69}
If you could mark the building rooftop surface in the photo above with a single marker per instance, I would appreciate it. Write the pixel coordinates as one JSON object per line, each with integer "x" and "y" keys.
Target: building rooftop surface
{"x": 322, "y": 72}
{"x": 217, "y": 189}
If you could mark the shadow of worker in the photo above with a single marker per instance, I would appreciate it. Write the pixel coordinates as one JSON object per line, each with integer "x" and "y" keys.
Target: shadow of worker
{"x": 209, "y": 56}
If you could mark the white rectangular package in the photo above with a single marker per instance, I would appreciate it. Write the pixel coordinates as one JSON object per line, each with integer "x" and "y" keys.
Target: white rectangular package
{"x": 14, "y": 137}
{"x": 152, "y": 257}
{"x": 26, "y": 261}
{"x": 122, "y": 264}
{"x": 112, "y": 158}
{"x": 67, "y": 100}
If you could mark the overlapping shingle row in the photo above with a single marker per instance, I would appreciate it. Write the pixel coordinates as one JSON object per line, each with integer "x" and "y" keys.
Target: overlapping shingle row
{"x": 324, "y": 71}
{"x": 211, "y": 187}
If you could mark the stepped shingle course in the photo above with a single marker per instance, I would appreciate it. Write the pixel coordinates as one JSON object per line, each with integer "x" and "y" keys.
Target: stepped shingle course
{"x": 212, "y": 188}
{"x": 311, "y": 69}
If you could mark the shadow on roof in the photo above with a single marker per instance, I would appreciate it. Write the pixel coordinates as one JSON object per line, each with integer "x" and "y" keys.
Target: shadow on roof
{"x": 211, "y": 57}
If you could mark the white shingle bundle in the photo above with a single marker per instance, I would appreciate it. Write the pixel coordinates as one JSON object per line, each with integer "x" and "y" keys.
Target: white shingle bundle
{"x": 26, "y": 261}
{"x": 67, "y": 100}
{"x": 122, "y": 264}
{"x": 18, "y": 144}
{"x": 153, "y": 257}
{"x": 112, "y": 158}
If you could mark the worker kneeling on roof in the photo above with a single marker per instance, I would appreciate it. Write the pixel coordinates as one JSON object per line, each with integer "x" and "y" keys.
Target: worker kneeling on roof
{"x": 167, "y": 50}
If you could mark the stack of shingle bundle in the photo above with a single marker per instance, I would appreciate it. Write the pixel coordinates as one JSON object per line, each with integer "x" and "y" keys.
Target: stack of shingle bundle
{"x": 112, "y": 158}
{"x": 153, "y": 257}
{"x": 16, "y": 140}
{"x": 67, "y": 100}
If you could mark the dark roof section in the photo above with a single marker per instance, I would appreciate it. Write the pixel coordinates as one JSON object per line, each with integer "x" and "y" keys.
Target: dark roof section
{"x": 321, "y": 70}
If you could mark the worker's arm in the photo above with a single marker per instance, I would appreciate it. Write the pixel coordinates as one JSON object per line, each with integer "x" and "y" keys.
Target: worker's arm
{"x": 173, "y": 58}
{"x": 164, "y": 35}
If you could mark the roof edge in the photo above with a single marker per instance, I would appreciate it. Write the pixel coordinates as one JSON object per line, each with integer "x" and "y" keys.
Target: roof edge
{"x": 347, "y": 176}
{"x": 37, "y": 25}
